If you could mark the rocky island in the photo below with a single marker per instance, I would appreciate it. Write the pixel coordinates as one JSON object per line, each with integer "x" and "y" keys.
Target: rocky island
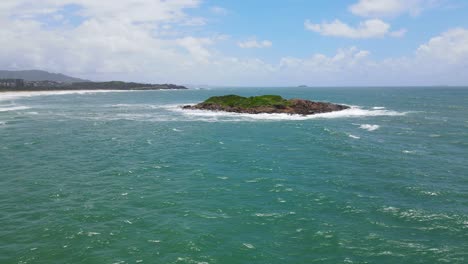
{"x": 269, "y": 104}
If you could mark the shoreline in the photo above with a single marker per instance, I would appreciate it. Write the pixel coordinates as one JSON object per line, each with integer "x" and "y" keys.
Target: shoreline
{"x": 87, "y": 90}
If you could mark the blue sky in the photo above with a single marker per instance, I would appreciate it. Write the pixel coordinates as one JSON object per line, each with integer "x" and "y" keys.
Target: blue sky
{"x": 349, "y": 42}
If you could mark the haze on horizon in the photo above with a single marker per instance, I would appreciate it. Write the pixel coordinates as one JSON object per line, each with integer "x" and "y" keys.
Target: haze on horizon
{"x": 228, "y": 42}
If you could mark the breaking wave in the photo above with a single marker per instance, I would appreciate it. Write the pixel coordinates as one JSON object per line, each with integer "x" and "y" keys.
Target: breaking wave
{"x": 9, "y": 96}
{"x": 12, "y": 108}
{"x": 369, "y": 127}
{"x": 353, "y": 112}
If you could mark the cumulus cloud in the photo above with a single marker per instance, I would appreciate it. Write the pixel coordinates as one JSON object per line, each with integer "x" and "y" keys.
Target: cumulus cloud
{"x": 450, "y": 48}
{"x": 219, "y": 10}
{"x": 130, "y": 10}
{"x": 111, "y": 37}
{"x": 442, "y": 60}
{"x": 373, "y": 28}
{"x": 196, "y": 47}
{"x": 390, "y": 8}
{"x": 399, "y": 33}
{"x": 253, "y": 43}
{"x": 319, "y": 63}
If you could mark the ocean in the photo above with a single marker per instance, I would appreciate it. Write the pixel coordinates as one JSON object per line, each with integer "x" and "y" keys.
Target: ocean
{"x": 129, "y": 177}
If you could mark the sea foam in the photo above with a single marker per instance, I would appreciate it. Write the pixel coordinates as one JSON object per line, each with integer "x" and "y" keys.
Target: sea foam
{"x": 9, "y": 96}
{"x": 369, "y": 127}
{"x": 352, "y": 112}
{"x": 13, "y": 108}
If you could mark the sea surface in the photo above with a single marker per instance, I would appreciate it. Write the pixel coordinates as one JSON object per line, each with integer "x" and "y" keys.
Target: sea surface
{"x": 129, "y": 177}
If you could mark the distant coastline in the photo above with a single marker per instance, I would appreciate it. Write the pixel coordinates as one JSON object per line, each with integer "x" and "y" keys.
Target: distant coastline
{"x": 114, "y": 85}
{"x": 36, "y": 80}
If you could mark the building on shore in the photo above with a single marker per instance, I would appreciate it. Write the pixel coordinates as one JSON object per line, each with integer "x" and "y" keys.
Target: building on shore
{"x": 11, "y": 83}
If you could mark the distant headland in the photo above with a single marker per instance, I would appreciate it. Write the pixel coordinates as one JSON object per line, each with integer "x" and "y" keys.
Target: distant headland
{"x": 35, "y": 80}
{"x": 269, "y": 104}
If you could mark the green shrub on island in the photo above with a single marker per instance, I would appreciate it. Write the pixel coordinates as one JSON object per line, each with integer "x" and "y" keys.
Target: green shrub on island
{"x": 248, "y": 102}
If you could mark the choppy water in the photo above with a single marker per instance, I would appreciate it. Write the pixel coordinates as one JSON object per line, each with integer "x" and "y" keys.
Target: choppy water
{"x": 128, "y": 177}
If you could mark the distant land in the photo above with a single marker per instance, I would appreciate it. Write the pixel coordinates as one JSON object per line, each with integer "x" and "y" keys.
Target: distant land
{"x": 37, "y": 80}
{"x": 37, "y": 75}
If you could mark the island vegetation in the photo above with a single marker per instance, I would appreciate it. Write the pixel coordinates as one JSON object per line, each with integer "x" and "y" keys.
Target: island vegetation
{"x": 265, "y": 104}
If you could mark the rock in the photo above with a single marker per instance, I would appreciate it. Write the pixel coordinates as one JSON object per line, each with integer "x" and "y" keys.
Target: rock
{"x": 270, "y": 104}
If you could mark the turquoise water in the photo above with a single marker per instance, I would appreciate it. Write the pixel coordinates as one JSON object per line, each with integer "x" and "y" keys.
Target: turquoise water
{"x": 128, "y": 177}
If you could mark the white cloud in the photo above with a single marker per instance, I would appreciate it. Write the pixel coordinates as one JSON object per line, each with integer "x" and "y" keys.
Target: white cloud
{"x": 390, "y": 8}
{"x": 442, "y": 60}
{"x": 113, "y": 37}
{"x": 450, "y": 48}
{"x": 196, "y": 47}
{"x": 129, "y": 10}
{"x": 195, "y": 21}
{"x": 398, "y": 33}
{"x": 344, "y": 58}
{"x": 373, "y": 28}
{"x": 219, "y": 10}
{"x": 253, "y": 43}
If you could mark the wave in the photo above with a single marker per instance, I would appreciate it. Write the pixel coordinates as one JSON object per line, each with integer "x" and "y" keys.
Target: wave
{"x": 369, "y": 127}
{"x": 13, "y": 108}
{"x": 134, "y": 106}
{"x": 353, "y": 112}
{"x": 9, "y": 96}
{"x": 174, "y": 113}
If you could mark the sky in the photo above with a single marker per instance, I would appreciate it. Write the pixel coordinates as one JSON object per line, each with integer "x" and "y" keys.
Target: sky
{"x": 241, "y": 43}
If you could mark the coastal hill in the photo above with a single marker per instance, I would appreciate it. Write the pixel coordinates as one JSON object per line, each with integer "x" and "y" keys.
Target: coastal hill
{"x": 270, "y": 104}
{"x": 37, "y": 75}
{"x": 35, "y": 80}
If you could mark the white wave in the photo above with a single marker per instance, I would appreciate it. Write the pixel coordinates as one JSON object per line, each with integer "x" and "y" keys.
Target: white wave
{"x": 378, "y": 108}
{"x": 430, "y": 193}
{"x": 353, "y": 136}
{"x": 353, "y": 112}
{"x": 121, "y": 105}
{"x": 249, "y": 246}
{"x": 8, "y": 96}
{"x": 2, "y": 123}
{"x": 13, "y": 108}
{"x": 369, "y": 127}
{"x": 134, "y": 106}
